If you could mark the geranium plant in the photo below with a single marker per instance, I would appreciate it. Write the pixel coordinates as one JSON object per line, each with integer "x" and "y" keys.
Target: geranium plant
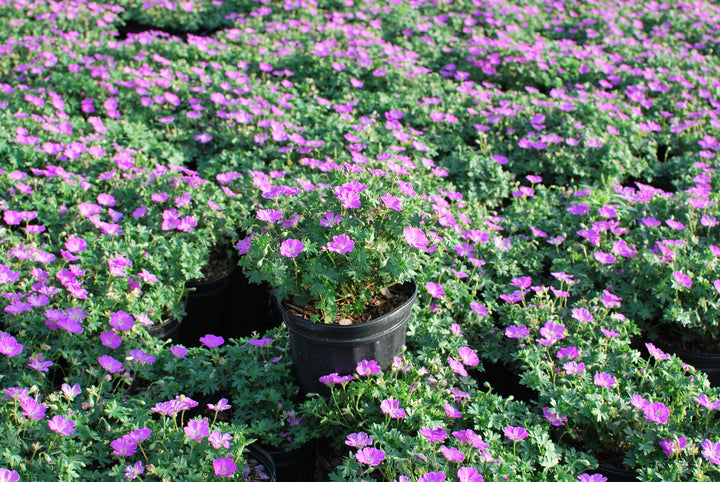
{"x": 338, "y": 237}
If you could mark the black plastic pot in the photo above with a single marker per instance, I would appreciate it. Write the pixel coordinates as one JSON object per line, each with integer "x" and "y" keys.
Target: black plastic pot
{"x": 294, "y": 465}
{"x": 206, "y": 310}
{"x": 615, "y": 474}
{"x": 320, "y": 349}
{"x": 707, "y": 362}
{"x": 265, "y": 459}
{"x": 168, "y": 330}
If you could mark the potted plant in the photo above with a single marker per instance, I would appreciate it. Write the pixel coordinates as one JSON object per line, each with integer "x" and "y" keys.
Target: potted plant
{"x": 340, "y": 249}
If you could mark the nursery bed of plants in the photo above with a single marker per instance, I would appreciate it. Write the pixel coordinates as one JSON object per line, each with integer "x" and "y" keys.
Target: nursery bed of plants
{"x": 544, "y": 171}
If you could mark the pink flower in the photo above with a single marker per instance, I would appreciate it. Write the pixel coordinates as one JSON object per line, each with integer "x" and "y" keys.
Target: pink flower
{"x": 452, "y": 454}
{"x": 469, "y": 474}
{"x": 392, "y": 408}
{"x": 582, "y": 315}
{"x": 452, "y": 412}
{"x": 341, "y": 244}
{"x": 212, "y": 341}
{"x": 197, "y": 429}
{"x": 110, "y": 364}
{"x": 61, "y": 425}
{"x": 672, "y": 446}
{"x": 391, "y": 202}
{"x": 224, "y": 466}
{"x": 367, "y": 367}
{"x": 457, "y": 367}
{"x": 573, "y": 368}
{"x": 290, "y": 248}
{"x": 9, "y": 345}
{"x": 124, "y": 446}
{"x": 358, "y": 440}
{"x": 218, "y": 439}
{"x": 604, "y": 380}
{"x": 604, "y": 258}
{"x": 434, "y": 435}
{"x": 519, "y": 331}
{"x": 682, "y": 279}
{"x": 515, "y": 433}
{"x": 415, "y": 238}
{"x": 434, "y": 289}
{"x": 121, "y": 321}
{"x": 370, "y": 456}
{"x": 468, "y": 356}
{"x": 555, "y": 418}
{"x": 551, "y": 333}
{"x": 117, "y": 265}
{"x": 711, "y": 451}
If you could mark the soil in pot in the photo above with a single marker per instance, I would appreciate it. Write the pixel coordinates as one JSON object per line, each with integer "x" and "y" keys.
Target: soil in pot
{"x": 262, "y": 465}
{"x": 295, "y": 465}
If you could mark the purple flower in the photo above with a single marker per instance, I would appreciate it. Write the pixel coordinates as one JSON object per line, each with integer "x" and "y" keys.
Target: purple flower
{"x": 117, "y": 265}
{"x": 370, "y": 456}
{"x": 9, "y": 345}
{"x": 134, "y": 471}
{"x": 224, "y": 466}
{"x": 110, "y": 364}
{"x": 479, "y": 309}
{"x": 7, "y": 475}
{"x": 358, "y": 440}
{"x": 468, "y": 356}
{"x": 570, "y": 352}
{"x": 469, "y": 474}
{"x": 197, "y": 429}
{"x": 61, "y": 425}
{"x": 178, "y": 351}
{"x": 220, "y": 406}
{"x": 140, "y": 434}
{"x": 31, "y": 408}
{"x": 551, "y": 333}
{"x": 415, "y": 238}
{"x": 555, "y": 418}
{"x": 579, "y": 209}
{"x": 290, "y": 248}
{"x": 604, "y": 258}
{"x": 656, "y": 412}
{"x": 434, "y": 435}
{"x": 141, "y": 356}
{"x": 37, "y": 363}
{"x": 452, "y": 454}
{"x": 682, "y": 279}
{"x": 367, "y": 367}
{"x": 71, "y": 392}
{"x": 457, "y": 367}
{"x": 672, "y": 446}
{"x": 573, "y": 368}
{"x": 432, "y": 477}
{"x": 604, "y": 380}
{"x": 75, "y": 244}
{"x": 391, "y": 202}
{"x": 656, "y": 352}
{"x": 582, "y": 315}
{"x": 592, "y": 478}
{"x": 212, "y": 341}
{"x": 269, "y": 215}
{"x": 520, "y": 331}
{"x": 124, "y": 446}
{"x": 334, "y": 378}
{"x": 392, "y": 408}
{"x": 260, "y": 342}
{"x": 341, "y": 244}
{"x": 452, "y": 412}
{"x": 110, "y": 339}
{"x": 121, "y": 321}
{"x": 434, "y": 289}
{"x": 711, "y": 451}
{"x": 515, "y": 433}
{"x": 218, "y": 439}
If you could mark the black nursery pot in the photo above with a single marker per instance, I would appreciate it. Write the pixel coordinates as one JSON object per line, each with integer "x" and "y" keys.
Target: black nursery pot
{"x": 707, "y": 362}
{"x": 320, "y": 349}
{"x": 294, "y": 465}
{"x": 265, "y": 459}
{"x": 206, "y": 308}
{"x": 615, "y": 474}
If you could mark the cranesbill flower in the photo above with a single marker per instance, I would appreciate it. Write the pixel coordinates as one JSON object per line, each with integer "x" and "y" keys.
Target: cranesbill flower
{"x": 218, "y": 439}
{"x": 604, "y": 380}
{"x": 370, "y": 456}
{"x": 31, "y": 408}
{"x": 434, "y": 435}
{"x": 415, "y": 238}
{"x": 117, "y": 265}
{"x": 212, "y": 341}
{"x": 452, "y": 454}
{"x": 392, "y": 408}
{"x": 178, "y": 351}
{"x": 269, "y": 215}
{"x": 711, "y": 451}
{"x": 452, "y": 412}
{"x": 121, "y": 320}
{"x": 682, "y": 279}
{"x": 220, "y": 406}
{"x": 224, "y": 466}
{"x": 468, "y": 356}
{"x": 110, "y": 364}
{"x": 435, "y": 289}
{"x": 592, "y": 478}
{"x": 290, "y": 248}
{"x": 573, "y": 368}
{"x": 519, "y": 331}
{"x": 551, "y": 333}
{"x": 124, "y": 446}
{"x": 341, "y": 244}
{"x": 672, "y": 446}
{"x": 432, "y": 477}
{"x": 469, "y": 474}
{"x": 134, "y": 471}
{"x": 367, "y": 367}
{"x": 457, "y": 367}
{"x": 358, "y": 440}
{"x": 515, "y": 433}
{"x": 334, "y": 378}
{"x": 554, "y": 418}
{"x": 141, "y": 356}
{"x": 391, "y": 202}
{"x": 582, "y": 315}
{"x": 9, "y": 345}
{"x": 61, "y": 425}
{"x": 656, "y": 352}
{"x": 656, "y": 412}
{"x": 197, "y": 429}
{"x": 570, "y": 352}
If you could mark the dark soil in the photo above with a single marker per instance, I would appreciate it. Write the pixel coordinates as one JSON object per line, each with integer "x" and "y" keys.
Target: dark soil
{"x": 380, "y": 304}
{"x": 222, "y": 261}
